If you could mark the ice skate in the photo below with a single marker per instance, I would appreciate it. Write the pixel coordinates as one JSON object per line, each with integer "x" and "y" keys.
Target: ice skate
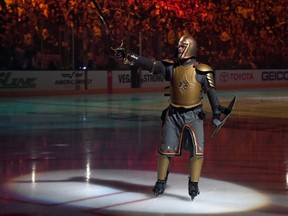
{"x": 193, "y": 189}
{"x": 159, "y": 187}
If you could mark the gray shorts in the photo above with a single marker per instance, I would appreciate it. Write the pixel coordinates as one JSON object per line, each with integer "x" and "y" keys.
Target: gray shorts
{"x": 182, "y": 129}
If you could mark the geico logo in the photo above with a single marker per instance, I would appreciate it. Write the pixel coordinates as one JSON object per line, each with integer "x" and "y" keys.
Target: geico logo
{"x": 274, "y": 75}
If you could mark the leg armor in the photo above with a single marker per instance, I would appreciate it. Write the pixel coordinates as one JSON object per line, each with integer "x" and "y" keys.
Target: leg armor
{"x": 195, "y": 168}
{"x": 195, "y": 171}
{"x": 162, "y": 175}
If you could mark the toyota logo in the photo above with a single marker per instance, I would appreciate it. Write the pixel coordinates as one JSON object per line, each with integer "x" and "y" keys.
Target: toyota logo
{"x": 224, "y": 77}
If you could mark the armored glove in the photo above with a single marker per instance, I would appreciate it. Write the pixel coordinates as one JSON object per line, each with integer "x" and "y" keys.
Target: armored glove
{"x": 225, "y": 110}
{"x": 216, "y": 115}
{"x": 216, "y": 119}
{"x": 128, "y": 58}
{"x": 120, "y": 52}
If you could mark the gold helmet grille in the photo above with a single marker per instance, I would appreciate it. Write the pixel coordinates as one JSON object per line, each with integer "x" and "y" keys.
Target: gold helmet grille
{"x": 191, "y": 46}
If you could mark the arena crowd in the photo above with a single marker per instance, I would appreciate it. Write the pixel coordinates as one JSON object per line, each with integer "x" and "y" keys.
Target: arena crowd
{"x": 68, "y": 34}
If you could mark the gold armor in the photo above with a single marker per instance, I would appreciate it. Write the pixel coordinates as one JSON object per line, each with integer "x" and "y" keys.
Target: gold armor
{"x": 206, "y": 69}
{"x": 191, "y": 46}
{"x": 185, "y": 90}
{"x": 188, "y": 79}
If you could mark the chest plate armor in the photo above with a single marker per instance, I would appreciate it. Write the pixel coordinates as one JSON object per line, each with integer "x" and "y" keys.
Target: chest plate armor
{"x": 185, "y": 90}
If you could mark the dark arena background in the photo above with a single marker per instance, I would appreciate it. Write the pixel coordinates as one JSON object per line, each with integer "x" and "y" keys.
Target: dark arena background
{"x": 80, "y": 130}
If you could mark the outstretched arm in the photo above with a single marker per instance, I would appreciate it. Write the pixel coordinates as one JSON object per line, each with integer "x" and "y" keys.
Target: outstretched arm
{"x": 139, "y": 61}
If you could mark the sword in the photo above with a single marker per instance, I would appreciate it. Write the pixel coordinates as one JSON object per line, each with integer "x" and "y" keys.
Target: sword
{"x": 221, "y": 123}
{"x": 111, "y": 34}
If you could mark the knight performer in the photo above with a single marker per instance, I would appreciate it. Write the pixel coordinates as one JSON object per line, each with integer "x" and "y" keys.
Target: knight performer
{"x": 182, "y": 127}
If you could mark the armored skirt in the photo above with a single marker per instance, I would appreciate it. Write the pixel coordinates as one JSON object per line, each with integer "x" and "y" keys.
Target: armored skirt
{"x": 182, "y": 129}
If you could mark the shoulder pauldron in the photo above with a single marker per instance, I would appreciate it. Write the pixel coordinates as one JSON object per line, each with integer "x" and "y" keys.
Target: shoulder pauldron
{"x": 208, "y": 72}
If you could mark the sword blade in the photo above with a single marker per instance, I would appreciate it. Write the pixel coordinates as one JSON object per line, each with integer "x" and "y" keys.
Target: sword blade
{"x": 111, "y": 34}
{"x": 230, "y": 106}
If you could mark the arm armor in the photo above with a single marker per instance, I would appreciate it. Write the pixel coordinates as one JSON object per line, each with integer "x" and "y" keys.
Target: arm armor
{"x": 139, "y": 61}
{"x": 214, "y": 102}
{"x": 209, "y": 87}
{"x": 146, "y": 63}
{"x": 208, "y": 72}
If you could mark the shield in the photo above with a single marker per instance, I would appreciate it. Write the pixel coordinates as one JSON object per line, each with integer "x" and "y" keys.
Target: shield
{"x": 230, "y": 107}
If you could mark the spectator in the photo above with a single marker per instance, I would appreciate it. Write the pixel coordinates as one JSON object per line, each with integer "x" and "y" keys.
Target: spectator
{"x": 217, "y": 25}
